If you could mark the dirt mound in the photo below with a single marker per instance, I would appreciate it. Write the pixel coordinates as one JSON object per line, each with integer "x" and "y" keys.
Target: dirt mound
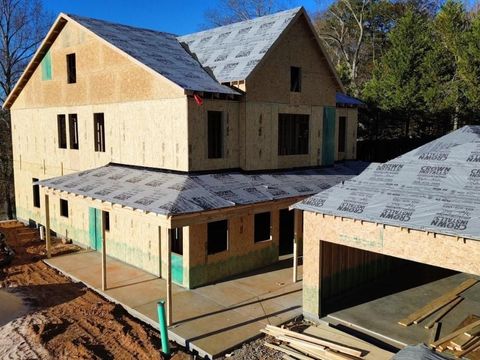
{"x": 67, "y": 320}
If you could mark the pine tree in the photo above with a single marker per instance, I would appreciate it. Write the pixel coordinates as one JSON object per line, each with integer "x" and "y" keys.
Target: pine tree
{"x": 396, "y": 83}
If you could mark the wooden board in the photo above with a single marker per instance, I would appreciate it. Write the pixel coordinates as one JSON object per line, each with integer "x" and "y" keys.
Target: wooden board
{"x": 474, "y": 355}
{"x": 332, "y": 334}
{"x": 444, "y": 312}
{"x": 437, "y": 304}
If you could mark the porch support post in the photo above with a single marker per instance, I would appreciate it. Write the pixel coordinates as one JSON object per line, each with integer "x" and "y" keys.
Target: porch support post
{"x": 297, "y": 238}
{"x": 169, "y": 278}
{"x": 48, "y": 243}
{"x": 104, "y": 255}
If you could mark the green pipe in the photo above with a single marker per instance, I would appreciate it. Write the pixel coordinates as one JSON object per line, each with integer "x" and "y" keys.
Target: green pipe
{"x": 162, "y": 322}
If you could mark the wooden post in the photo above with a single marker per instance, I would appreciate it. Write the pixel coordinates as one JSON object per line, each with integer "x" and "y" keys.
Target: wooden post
{"x": 104, "y": 255}
{"x": 298, "y": 235}
{"x": 48, "y": 243}
{"x": 169, "y": 277}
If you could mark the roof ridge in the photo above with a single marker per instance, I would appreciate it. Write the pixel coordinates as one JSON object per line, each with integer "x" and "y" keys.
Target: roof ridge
{"x": 75, "y": 16}
{"x": 296, "y": 9}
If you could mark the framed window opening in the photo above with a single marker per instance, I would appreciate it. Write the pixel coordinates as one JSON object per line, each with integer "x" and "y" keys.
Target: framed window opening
{"x": 295, "y": 79}
{"x": 293, "y": 134}
{"x": 64, "y": 208}
{"x": 73, "y": 130}
{"x": 217, "y": 237}
{"x": 215, "y": 134}
{"x": 71, "y": 69}
{"x": 99, "y": 131}
{"x": 36, "y": 193}
{"x": 262, "y": 227}
{"x": 62, "y": 131}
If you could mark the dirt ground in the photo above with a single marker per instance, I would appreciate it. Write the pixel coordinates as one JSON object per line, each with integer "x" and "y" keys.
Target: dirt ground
{"x": 66, "y": 320}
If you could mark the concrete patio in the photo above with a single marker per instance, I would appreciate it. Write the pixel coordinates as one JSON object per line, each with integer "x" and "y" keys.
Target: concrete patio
{"x": 210, "y": 320}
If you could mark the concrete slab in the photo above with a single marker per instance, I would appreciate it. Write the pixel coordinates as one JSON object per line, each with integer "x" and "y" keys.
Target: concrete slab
{"x": 210, "y": 320}
{"x": 379, "y": 317}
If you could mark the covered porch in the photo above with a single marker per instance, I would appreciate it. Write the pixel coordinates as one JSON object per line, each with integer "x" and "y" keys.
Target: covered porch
{"x": 161, "y": 222}
{"x": 211, "y": 319}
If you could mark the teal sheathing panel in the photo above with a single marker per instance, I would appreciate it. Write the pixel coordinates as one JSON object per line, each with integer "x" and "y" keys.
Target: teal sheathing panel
{"x": 207, "y": 273}
{"x": 47, "y": 66}
{"x": 177, "y": 268}
{"x": 95, "y": 228}
{"x": 328, "y": 143}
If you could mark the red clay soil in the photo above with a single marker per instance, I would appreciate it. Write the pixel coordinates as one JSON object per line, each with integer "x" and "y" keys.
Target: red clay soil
{"x": 66, "y": 320}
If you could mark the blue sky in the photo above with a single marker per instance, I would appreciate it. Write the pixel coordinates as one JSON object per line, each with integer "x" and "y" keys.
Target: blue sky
{"x": 178, "y": 17}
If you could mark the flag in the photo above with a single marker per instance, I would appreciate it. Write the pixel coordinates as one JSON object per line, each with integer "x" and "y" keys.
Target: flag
{"x": 198, "y": 99}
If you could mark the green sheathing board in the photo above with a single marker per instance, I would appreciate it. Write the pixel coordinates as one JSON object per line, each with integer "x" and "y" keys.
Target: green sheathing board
{"x": 177, "y": 268}
{"x": 47, "y": 66}
{"x": 328, "y": 141}
{"x": 95, "y": 228}
{"x": 208, "y": 273}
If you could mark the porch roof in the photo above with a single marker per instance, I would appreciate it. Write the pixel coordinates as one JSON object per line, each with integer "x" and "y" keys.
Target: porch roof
{"x": 172, "y": 194}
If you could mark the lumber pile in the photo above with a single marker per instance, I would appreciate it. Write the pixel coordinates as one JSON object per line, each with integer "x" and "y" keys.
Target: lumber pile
{"x": 305, "y": 347}
{"x": 464, "y": 341}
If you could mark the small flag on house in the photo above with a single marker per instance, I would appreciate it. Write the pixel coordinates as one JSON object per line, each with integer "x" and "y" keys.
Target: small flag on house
{"x": 198, "y": 99}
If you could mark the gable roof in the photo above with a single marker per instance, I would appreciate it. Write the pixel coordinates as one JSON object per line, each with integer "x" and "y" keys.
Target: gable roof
{"x": 159, "y": 51}
{"x": 230, "y": 52}
{"x": 233, "y": 51}
{"x": 433, "y": 188}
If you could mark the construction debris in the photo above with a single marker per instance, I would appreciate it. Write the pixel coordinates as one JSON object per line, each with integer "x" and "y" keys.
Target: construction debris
{"x": 302, "y": 347}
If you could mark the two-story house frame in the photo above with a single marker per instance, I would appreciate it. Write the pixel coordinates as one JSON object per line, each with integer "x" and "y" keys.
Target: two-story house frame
{"x": 179, "y": 155}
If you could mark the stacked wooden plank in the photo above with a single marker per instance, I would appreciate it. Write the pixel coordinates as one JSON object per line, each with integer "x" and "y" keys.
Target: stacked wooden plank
{"x": 464, "y": 341}
{"x": 446, "y": 302}
{"x": 460, "y": 342}
{"x": 306, "y": 347}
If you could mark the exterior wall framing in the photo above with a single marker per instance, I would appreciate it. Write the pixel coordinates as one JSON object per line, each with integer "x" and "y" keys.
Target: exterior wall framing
{"x": 414, "y": 245}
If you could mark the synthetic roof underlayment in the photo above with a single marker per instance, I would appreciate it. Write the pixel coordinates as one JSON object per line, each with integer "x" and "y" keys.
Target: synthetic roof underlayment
{"x": 158, "y": 50}
{"x": 433, "y": 188}
{"x": 174, "y": 194}
{"x": 345, "y": 100}
{"x": 231, "y": 52}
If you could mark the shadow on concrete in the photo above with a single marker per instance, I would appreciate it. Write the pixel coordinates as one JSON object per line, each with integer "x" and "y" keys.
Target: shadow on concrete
{"x": 237, "y": 325}
{"x": 239, "y": 306}
{"x": 407, "y": 276}
{"x": 279, "y": 265}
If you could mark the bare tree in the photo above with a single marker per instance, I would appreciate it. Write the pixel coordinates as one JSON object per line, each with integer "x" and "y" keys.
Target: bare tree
{"x": 23, "y": 24}
{"x": 343, "y": 29}
{"x": 230, "y": 11}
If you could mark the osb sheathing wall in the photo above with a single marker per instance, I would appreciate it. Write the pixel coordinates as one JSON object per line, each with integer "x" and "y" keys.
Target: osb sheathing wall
{"x": 428, "y": 248}
{"x": 142, "y": 111}
{"x": 198, "y": 135}
{"x": 268, "y": 94}
{"x": 243, "y": 253}
{"x": 133, "y": 237}
{"x": 351, "y": 131}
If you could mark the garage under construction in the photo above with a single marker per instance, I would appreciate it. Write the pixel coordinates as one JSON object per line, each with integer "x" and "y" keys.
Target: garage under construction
{"x": 421, "y": 207}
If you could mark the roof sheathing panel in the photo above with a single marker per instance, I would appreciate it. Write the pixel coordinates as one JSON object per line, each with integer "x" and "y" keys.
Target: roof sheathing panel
{"x": 434, "y": 188}
{"x": 159, "y": 51}
{"x": 174, "y": 194}
{"x": 231, "y": 52}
